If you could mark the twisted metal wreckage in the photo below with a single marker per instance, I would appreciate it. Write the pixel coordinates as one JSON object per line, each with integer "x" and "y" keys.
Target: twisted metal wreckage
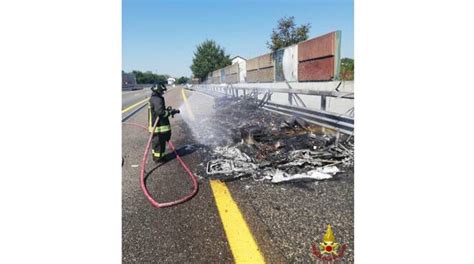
{"x": 271, "y": 147}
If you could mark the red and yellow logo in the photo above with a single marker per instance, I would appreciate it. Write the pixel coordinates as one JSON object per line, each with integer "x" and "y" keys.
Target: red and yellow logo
{"x": 329, "y": 249}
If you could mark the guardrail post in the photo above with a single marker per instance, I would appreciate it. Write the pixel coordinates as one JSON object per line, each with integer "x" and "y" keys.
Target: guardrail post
{"x": 290, "y": 95}
{"x": 323, "y": 103}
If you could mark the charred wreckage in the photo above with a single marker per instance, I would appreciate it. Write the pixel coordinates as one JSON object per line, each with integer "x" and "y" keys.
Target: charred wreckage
{"x": 270, "y": 147}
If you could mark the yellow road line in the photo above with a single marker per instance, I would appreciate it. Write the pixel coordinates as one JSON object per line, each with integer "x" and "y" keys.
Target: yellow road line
{"x": 133, "y": 106}
{"x": 186, "y": 103}
{"x": 242, "y": 244}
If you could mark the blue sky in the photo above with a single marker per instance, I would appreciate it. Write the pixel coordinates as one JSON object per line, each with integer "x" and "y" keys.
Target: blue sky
{"x": 161, "y": 35}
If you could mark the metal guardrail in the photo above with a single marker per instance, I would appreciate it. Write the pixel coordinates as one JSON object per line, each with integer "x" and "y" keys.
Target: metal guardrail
{"x": 231, "y": 89}
{"x": 340, "y": 122}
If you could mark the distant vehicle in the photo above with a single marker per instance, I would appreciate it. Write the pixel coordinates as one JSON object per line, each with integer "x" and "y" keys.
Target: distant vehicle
{"x": 128, "y": 80}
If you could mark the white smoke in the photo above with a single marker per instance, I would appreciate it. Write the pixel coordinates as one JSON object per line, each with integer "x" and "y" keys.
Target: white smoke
{"x": 197, "y": 110}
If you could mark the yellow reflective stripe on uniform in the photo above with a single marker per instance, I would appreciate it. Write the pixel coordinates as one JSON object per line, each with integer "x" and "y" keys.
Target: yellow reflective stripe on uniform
{"x": 156, "y": 154}
{"x": 163, "y": 128}
{"x": 160, "y": 129}
{"x": 150, "y": 125}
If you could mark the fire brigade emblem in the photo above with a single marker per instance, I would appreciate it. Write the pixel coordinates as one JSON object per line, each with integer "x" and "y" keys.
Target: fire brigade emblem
{"x": 329, "y": 249}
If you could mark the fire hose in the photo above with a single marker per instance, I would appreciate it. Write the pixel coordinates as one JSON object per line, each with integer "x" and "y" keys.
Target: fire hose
{"x": 142, "y": 171}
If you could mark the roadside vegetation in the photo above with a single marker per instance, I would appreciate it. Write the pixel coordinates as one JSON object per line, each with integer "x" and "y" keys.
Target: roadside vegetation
{"x": 347, "y": 69}
{"x": 148, "y": 77}
{"x": 183, "y": 80}
{"x": 208, "y": 57}
{"x": 287, "y": 33}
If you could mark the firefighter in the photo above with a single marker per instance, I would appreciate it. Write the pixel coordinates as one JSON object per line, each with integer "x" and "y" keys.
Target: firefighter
{"x": 162, "y": 133}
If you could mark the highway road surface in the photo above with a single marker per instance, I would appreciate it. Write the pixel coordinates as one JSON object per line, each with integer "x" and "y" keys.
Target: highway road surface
{"x": 242, "y": 221}
{"x": 131, "y": 97}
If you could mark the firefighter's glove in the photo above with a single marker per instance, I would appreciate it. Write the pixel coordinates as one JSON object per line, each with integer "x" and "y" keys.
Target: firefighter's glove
{"x": 174, "y": 112}
{"x": 171, "y": 111}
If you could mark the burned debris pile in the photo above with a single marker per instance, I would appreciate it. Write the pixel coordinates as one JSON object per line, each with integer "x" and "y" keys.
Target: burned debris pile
{"x": 251, "y": 142}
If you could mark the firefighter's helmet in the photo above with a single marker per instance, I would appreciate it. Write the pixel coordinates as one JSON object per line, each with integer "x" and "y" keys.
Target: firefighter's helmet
{"x": 158, "y": 87}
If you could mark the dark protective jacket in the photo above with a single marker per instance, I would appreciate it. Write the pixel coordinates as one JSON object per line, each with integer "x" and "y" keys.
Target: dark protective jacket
{"x": 157, "y": 109}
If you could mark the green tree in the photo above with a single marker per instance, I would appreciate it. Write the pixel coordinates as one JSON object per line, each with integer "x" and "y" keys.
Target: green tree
{"x": 182, "y": 80}
{"x": 287, "y": 33}
{"x": 149, "y": 78}
{"x": 208, "y": 57}
{"x": 347, "y": 69}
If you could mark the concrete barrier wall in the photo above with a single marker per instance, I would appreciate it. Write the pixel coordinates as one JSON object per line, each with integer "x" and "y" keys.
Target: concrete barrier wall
{"x": 286, "y": 64}
{"x": 261, "y": 69}
{"x": 290, "y": 63}
{"x": 252, "y": 64}
{"x": 341, "y": 86}
{"x": 232, "y": 78}
{"x": 265, "y": 61}
{"x": 242, "y": 70}
{"x": 335, "y": 105}
{"x": 316, "y": 70}
{"x": 231, "y": 73}
{"x": 317, "y": 59}
{"x": 216, "y": 76}
{"x": 318, "y": 47}
{"x": 266, "y": 74}
{"x": 231, "y": 69}
{"x": 252, "y": 76}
